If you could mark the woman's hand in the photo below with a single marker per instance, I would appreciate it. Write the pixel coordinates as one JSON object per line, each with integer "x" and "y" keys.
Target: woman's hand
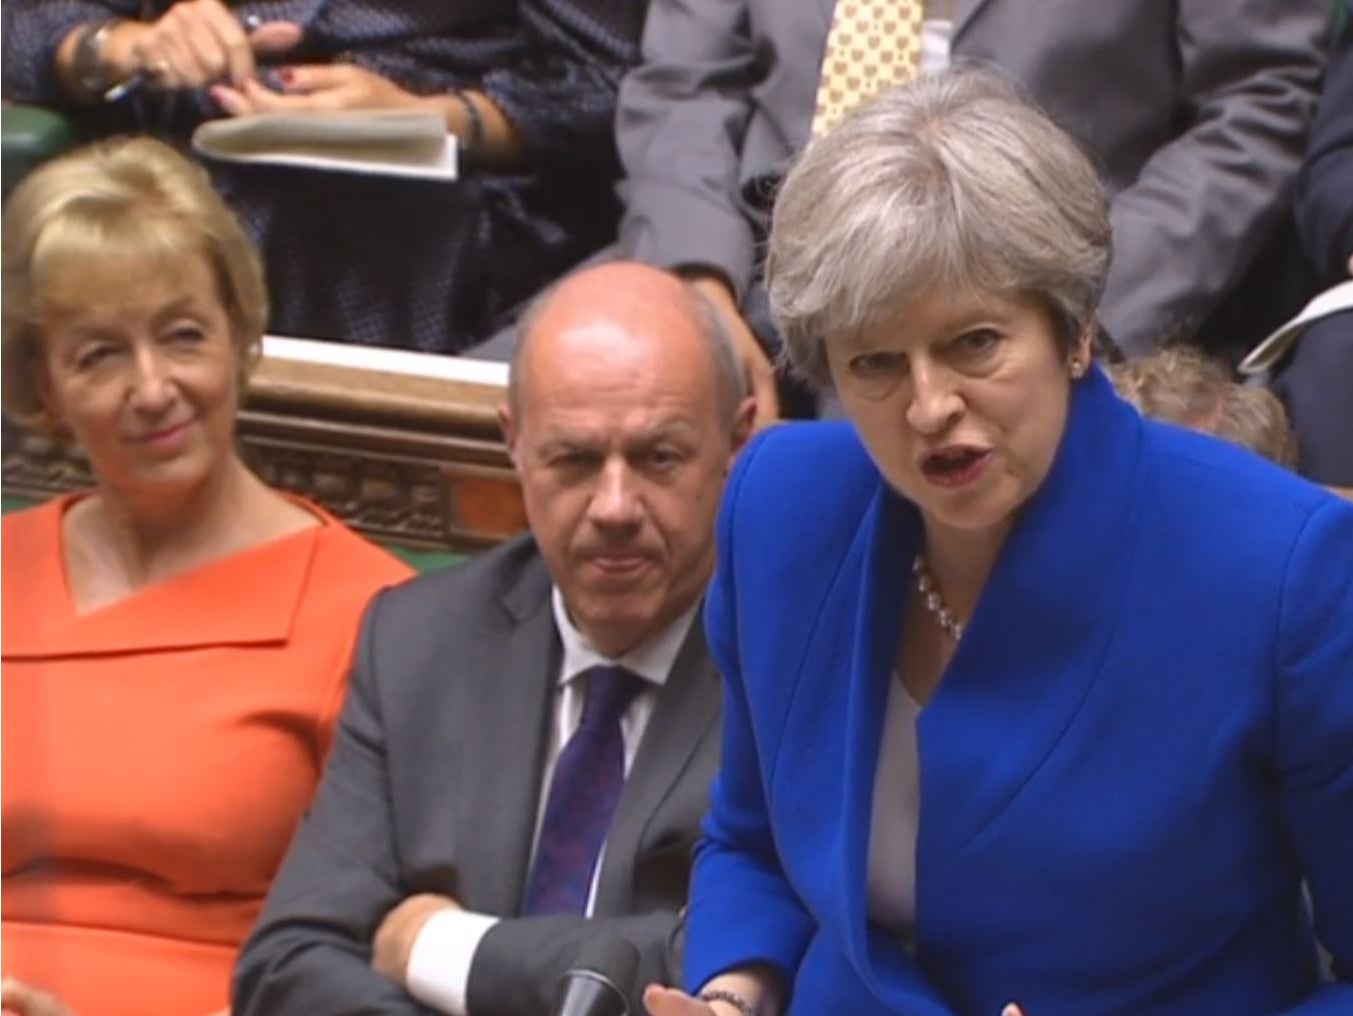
{"x": 23, "y": 1000}
{"x": 315, "y": 87}
{"x": 195, "y": 43}
{"x": 671, "y": 1002}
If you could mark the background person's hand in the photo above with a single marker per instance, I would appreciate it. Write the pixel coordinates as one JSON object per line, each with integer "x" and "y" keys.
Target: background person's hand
{"x": 393, "y": 944}
{"x": 755, "y": 364}
{"x": 196, "y": 43}
{"x": 315, "y": 87}
{"x": 25, "y": 1000}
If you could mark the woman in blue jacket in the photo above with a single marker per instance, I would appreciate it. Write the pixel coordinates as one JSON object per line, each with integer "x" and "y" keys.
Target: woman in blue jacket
{"x": 1029, "y": 699}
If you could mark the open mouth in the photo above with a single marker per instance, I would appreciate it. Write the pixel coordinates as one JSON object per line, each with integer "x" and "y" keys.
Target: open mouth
{"x": 953, "y": 467}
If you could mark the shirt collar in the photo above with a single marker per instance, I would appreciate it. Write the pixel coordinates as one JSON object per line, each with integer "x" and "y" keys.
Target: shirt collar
{"x": 651, "y": 660}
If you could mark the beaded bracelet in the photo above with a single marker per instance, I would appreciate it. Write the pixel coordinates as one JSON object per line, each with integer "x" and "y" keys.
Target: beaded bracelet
{"x": 735, "y": 1000}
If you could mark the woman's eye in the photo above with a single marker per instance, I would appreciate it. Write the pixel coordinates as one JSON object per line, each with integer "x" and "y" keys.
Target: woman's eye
{"x": 979, "y": 341}
{"x": 186, "y": 334}
{"x": 91, "y": 356}
{"x": 874, "y": 365}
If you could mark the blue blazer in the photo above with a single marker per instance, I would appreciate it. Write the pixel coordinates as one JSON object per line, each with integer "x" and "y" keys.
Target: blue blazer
{"x": 1142, "y": 746}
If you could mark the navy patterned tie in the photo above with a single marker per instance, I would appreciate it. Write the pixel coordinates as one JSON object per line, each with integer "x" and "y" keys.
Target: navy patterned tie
{"x": 588, "y": 778}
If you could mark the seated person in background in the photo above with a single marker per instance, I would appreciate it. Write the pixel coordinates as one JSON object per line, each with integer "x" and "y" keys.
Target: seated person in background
{"x": 175, "y": 642}
{"x": 1196, "y": 111}
{"x": 528, "y": 87}
{"x": 525, "y": 754}
{"x": 1317, "y": 384}
{"x": 1027, "y": 698}
{"x": 1181, "y": 385}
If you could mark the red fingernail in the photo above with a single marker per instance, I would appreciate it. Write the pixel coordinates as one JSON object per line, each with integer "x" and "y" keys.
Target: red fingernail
{"x": 286, "y": 75}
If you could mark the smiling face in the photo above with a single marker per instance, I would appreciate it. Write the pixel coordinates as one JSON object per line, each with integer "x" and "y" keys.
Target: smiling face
{"x": 961, "y": 403}
{"x": 622, "y": 445}
{"x": 145, "y": 374}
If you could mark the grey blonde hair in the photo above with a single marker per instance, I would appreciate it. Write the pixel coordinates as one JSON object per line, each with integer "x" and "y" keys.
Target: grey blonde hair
{"x": 955, "y": 181}
{"x": 704, "y": 315}
{"x": 129, "y": 200}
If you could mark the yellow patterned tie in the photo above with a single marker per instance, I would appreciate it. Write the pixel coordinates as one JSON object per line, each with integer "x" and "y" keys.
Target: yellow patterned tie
{"x": 872, "y": 44}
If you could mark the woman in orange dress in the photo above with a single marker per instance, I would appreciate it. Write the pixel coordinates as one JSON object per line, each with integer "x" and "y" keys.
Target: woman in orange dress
{"x": 176, "y": 641}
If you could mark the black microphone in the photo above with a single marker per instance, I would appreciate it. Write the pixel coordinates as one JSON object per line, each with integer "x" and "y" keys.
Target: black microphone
{"x": 598, "y": 982}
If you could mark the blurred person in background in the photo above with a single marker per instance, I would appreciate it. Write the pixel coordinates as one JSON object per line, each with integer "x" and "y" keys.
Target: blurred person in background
{"x": 528, "y": 88}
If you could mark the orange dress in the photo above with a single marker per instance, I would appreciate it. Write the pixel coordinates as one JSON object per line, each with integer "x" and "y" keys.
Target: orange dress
{"x": 157, "y": 754}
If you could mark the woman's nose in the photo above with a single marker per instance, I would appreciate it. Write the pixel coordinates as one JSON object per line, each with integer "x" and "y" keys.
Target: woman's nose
{"x": 152, "y": 387}
{"x": 935, "y": 402}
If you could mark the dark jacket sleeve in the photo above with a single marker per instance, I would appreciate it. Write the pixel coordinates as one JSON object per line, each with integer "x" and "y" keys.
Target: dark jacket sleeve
{"x": 1325, "y": 195}
{"x": 311, "y": 951}
{"x": 31, "y": 31}
{"x": 1205, "y": 203}
{"x": 561, "y": 92}
{"x": 680, "y": 127}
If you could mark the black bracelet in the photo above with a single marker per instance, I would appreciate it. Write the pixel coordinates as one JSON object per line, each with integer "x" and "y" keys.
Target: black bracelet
{"x": 475, "y": 122}
{"x": 735, "y": 1000}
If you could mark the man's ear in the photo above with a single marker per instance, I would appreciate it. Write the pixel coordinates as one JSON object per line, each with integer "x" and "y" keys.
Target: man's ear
{"x": 508, "y": 423}
{"x": 743, "y": 422}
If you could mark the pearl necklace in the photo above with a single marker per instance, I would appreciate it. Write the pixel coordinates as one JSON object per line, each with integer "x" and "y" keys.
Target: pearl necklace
{"x": 934, "y": 603}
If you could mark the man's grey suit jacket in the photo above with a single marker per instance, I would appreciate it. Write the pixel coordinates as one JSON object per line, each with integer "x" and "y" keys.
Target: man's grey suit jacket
{"x": 1196, "y": 111}
{"x": 433, "y": 786}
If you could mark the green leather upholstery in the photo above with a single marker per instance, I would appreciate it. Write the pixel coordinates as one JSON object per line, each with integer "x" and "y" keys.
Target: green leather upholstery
{"x": 32, "y": 135}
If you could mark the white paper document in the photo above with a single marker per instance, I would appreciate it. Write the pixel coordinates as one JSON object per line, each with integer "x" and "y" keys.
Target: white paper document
{"x": 396, "y": 142}
{"x": 1265, "y": 355}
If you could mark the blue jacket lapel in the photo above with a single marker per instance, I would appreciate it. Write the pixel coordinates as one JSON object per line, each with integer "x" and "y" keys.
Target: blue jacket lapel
{"x": 1035, "y": 642}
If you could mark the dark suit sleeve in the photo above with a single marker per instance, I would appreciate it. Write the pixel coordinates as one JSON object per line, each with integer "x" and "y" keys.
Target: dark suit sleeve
{"x": 1315, "y": 734}
{"x": 561, "y": 92}
{"x": 682, "y": 117}
{"x": 1325, "y": 195}
{"x": 1190, "y": 224}
{"x": 311, "y": 951}
{"x": 520, "y": 960}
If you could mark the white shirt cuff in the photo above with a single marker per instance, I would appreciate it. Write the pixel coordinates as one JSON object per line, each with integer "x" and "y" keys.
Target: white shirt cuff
{"x": 439, "y": 963}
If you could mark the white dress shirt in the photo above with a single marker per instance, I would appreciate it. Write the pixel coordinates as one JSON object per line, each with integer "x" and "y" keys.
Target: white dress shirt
{"x": 897, "y": 810}
{"x": 439, "y": 963}
{"x": 937, "y": 33}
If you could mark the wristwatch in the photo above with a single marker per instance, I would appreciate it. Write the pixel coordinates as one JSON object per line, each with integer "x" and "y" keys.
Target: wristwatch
{"x": 87, "y": 60}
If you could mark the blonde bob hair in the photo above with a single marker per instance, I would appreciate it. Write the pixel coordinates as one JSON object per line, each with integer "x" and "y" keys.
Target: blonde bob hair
{"x": 129, "y": 206}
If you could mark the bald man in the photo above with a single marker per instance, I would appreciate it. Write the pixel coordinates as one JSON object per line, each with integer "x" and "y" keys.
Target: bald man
{"x": 528, "y": 740}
